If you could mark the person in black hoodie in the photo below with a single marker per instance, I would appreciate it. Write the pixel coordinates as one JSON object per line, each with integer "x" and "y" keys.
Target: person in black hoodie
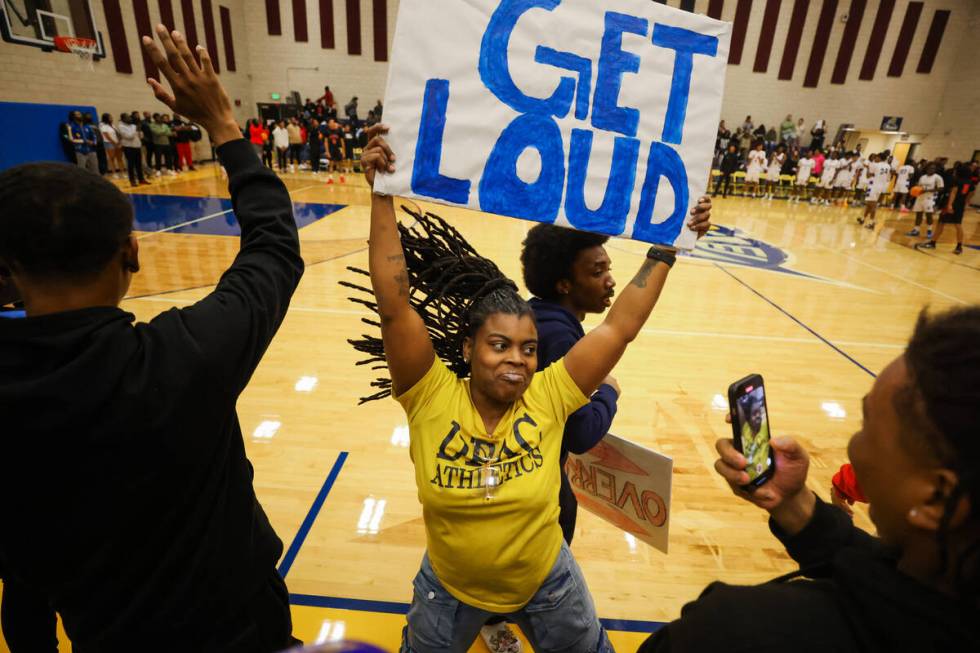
{"x": 729, "y": 164}
{"x": 126, "y": 498}
{"x": 914, "y": 588}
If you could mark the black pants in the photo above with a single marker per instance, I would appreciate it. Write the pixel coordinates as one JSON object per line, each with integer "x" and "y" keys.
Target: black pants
{"x": 263, "y": 625}
{"x": 281, "y": 158}
{"x": 727, "y": 179}
{"x": 294, "y": 151}
{"x": 29, "y": 624}
{"x": 134, "y": 164}
{"x": 267, "y": 157}
{"x": 163, "y": 157}
{"x": 149, "y": 154}
{"x": 315, "y": 159}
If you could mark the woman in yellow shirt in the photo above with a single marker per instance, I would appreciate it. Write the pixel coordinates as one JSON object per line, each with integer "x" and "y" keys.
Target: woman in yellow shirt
{"x": 486, "y": 447}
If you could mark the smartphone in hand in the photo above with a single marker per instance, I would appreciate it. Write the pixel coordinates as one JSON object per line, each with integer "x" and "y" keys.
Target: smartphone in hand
{"x": 750, "y": 428}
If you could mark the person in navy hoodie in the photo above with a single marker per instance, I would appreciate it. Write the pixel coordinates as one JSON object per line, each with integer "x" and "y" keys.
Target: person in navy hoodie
{"x": 569, "y": 275}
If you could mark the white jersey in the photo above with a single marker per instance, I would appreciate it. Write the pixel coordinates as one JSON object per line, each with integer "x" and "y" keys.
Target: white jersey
{"x": 880, "y": 174}
{"x": 902, "y": 179}
{"x": 775, "y": 166}
{"x": 846, "y": 175}
{"x": 803, "y": 168}
{"x": 757, "y": 161}
{"x": 926, "y": 201}
{"x": 862, "y": 173}
{"x": 829, "y": 171}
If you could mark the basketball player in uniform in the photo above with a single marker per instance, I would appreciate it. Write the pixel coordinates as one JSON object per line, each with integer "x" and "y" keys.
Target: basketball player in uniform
{"x": 879, "y": 174}
{"x": 753, "y": 171}
{"x": 803, "y": 168}
{"x": 827, "y": 179}
{"x": 902, "y": 176}
{"x": 775, "y": 169}
{"x": 925, "y": 203}
{"x": 845, "y": 177}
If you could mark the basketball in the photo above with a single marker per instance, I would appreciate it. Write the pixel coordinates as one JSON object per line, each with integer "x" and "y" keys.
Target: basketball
{"x": 915, "y": 191}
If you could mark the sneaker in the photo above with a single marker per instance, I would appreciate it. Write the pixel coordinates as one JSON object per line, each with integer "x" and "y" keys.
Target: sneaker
{"x": 145, "y": 183}
{"x": 500, "y": 639}
{"x": 330, "y": 180}
{"x": 904, "y": 209}
{"x": 926, "y": 245}
{"x": 156, "y": 173}
{"x": 860, "y": 220}
{"x": 870, "y": 225}
{"x": 913, "y": 232}
{"x": 341, "y": 179}
{"x": 929, "y": 233}
{"x": 959, "y": 248}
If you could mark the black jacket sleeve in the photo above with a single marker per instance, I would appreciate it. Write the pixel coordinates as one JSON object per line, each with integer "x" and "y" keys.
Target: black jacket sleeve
{"x": 232, "y": 327}
{"x": 829, "y": 531}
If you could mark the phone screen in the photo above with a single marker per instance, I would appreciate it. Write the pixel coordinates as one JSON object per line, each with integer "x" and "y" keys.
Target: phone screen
{"x": 752, "y": 429}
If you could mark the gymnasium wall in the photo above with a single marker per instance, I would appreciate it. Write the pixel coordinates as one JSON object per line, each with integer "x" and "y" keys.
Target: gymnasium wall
{"x": 29, "y": 74}
{"x": 277, "y": 61}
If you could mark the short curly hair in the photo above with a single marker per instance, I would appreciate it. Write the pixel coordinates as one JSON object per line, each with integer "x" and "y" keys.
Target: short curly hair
{"x": 548, "y": 255}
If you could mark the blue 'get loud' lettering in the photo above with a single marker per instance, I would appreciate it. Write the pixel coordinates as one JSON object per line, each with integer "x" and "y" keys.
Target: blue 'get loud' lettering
{"x": 501, "y": 190}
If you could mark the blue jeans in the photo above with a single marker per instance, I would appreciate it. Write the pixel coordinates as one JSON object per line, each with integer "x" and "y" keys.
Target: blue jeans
{"x": 560, "y": 617}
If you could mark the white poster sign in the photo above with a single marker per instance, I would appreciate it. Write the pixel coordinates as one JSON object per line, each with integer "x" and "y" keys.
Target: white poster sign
{"x": 627, "y": 485}
{"x": 596, "y": 115}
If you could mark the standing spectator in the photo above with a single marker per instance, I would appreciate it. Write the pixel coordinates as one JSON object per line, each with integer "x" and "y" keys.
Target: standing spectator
{"x": 295, "y": 134}
{"x": 721, "y": 141}
{"x": 253, "y": 132}
{"x": 67, "y": 145}
{"x": 745, "y": 142}
{"x": 800, "y": 133}
{"x": 350, "y": 110}
{"x": 378, "y": 110}
{"x": 787, "y": 132}
{"x": 113, "y": 149}
{"x": 147, "y": 136}
{"x": 729, "y": 164}
{"x": 280, "y": 138}
{"x": 92, "y": 128}
{"x": 184, "y": 134}
{"x": 327, "y": 98}
{"x": 84, "y": 143}
{"x": 771, "y": 140}
{"x": 129, "y": 141}
{"x": 267, "y": 145}
{"x": 172, "y": 140}
{"x": 372, "y": 119}
{"x": 160, "y": 130}
{"x": 817, "y": 134}
{"x": 348, "y": 149}
{"x": 748, "y": 125}
{"x": 315, "y": 141}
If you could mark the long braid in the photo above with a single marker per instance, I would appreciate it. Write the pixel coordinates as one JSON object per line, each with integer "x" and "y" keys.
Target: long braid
{"x": 451, "y": 287}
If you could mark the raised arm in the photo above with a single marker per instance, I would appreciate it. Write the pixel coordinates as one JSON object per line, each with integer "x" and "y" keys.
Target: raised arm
{"x": 408, "y": 348}
{"x": 595, "y": 355}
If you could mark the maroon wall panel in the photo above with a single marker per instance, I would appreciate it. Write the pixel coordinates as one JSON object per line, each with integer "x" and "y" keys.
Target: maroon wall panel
{"x": 167, "y": 15}
{"x": 299, "y": 21}
{"x": 380, "y": 9}
{"x": 715, "y": 8}
{"x": 792, "y": 48}
{"x": 326, "y": 25}
{"x": 877, "y": 40}
{"x": 190, "y": 23}
{"x": 228, "y": 37}
{"x": 769, "y": 19}
{"x": 210, "y": 38}
{"x": 742, "y": 12}
{"x": 939, "y": 20}
{"x": 824, "y": 25}
{"x": 847, "y": 42}
{"x": 117, "y": 36}
{"x": 273, "y": 21}
{"x": 143, "y": 28}
{"x": 353, "y": 26}
{"x": 905, "y": 37}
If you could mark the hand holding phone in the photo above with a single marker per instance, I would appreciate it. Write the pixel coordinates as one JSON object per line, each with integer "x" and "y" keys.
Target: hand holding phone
{"x": 750, "y": 428}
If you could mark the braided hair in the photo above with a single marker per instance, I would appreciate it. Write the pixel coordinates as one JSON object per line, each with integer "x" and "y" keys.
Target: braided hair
{"x": 940, "y": 409}
{"x": 451, "y": 287}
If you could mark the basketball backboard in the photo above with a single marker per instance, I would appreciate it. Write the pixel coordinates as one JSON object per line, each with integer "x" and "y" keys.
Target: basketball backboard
{"x": 36, "y": 23}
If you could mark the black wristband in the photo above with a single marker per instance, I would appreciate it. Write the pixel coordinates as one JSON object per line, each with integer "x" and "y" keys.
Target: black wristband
{"x": 661, "y": 255}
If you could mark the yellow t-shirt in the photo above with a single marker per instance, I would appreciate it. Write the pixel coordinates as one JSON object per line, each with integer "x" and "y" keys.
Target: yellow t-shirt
{"x": 494, "y": 553}
{"x": 755, "y": 449}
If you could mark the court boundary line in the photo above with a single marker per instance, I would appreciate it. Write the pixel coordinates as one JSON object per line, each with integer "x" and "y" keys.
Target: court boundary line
{"x": 397, "y": 607}
{"x": 799, "y": 322}
{"x": 206, "y": 217}
{"x": 304, "y": 529}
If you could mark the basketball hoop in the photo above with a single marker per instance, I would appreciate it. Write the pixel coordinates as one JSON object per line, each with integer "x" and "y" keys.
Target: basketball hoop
{"x": 82, "y": 48}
